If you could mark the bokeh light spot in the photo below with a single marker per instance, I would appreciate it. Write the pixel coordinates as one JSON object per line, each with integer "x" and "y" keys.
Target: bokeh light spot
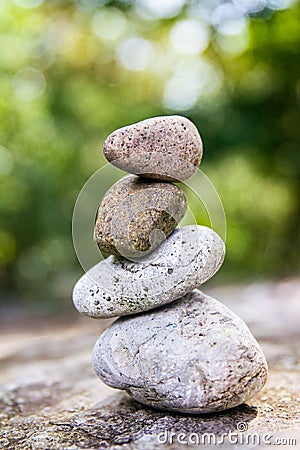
{"x": 159, "y": 9}
{"x": 135, "y": 53}
{"x": 29, "y": 84}
{"x": 189, "y": 37}
{"x": 250, "y": 6}
{"x": 229, "y": 20}
{"x": 109, "y": 24}
{"x": 191, "y": 80}
{"x": 234, "y": 44}
{"x": 181, "y": 92}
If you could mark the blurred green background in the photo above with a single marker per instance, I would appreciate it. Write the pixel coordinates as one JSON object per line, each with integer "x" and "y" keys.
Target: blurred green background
{"x": 73, "y": 71}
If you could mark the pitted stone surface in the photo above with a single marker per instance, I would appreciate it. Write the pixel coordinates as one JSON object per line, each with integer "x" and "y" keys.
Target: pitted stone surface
{"x": 166, "y": 148}
{"x": 132, "y": 211}
{"x": 194, "y": 356}
{"x": 117, "y": 286}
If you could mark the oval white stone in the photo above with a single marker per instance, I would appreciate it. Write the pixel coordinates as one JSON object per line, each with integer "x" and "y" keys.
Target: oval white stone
{"x": 193, "y": 355}
{"x": 116, "y": 286}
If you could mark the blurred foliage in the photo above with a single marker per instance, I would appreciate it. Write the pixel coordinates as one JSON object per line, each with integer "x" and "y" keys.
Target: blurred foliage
{"x": 73, "y": 71}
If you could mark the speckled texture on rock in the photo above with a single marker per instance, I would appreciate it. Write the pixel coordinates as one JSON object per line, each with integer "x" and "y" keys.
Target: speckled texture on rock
{"x": 194, "y": 356}
{"x": 132, "y": 210}
{"x": 166, "y": 148}
{"x": 117, "y": 287}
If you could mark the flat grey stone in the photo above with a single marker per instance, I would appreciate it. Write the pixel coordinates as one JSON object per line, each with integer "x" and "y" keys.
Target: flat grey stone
{"x": 192, "y": 356}
{"x": 136, "y": 215}
{"x": 116, "y": 286}
{"x": 167, "y": 148}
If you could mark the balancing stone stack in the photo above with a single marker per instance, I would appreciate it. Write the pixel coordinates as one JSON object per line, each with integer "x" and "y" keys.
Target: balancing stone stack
{"x": 184, "y": 351}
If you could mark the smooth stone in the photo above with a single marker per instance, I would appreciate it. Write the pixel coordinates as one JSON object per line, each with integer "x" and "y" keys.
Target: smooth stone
{"x": 117, "y": 287}
{"x": 136, "y": 215}
{"x": 166, "y": 148}
{"x": 192, "y": 356}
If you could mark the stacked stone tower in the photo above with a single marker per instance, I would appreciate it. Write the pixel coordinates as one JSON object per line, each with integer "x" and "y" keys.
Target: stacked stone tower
{"x": 175, "y": 348}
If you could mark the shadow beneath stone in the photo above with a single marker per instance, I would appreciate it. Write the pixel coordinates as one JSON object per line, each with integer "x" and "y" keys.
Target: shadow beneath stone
{"x": 120, "y": 420}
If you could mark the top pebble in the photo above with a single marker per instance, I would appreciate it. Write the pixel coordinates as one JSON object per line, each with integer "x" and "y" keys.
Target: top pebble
{"x": 167, "y": 148}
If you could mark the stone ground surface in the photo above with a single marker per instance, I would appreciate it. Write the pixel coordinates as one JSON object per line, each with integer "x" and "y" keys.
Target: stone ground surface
{"x": 51, "y": 399}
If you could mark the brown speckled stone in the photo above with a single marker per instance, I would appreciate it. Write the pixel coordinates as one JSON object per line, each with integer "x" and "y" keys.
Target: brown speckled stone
{"x": 167, "y": 148}
{"x": 136, "y": 215}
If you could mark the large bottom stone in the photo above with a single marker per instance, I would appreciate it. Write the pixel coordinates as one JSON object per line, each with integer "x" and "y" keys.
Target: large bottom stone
{"x": 193, "y": 355}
